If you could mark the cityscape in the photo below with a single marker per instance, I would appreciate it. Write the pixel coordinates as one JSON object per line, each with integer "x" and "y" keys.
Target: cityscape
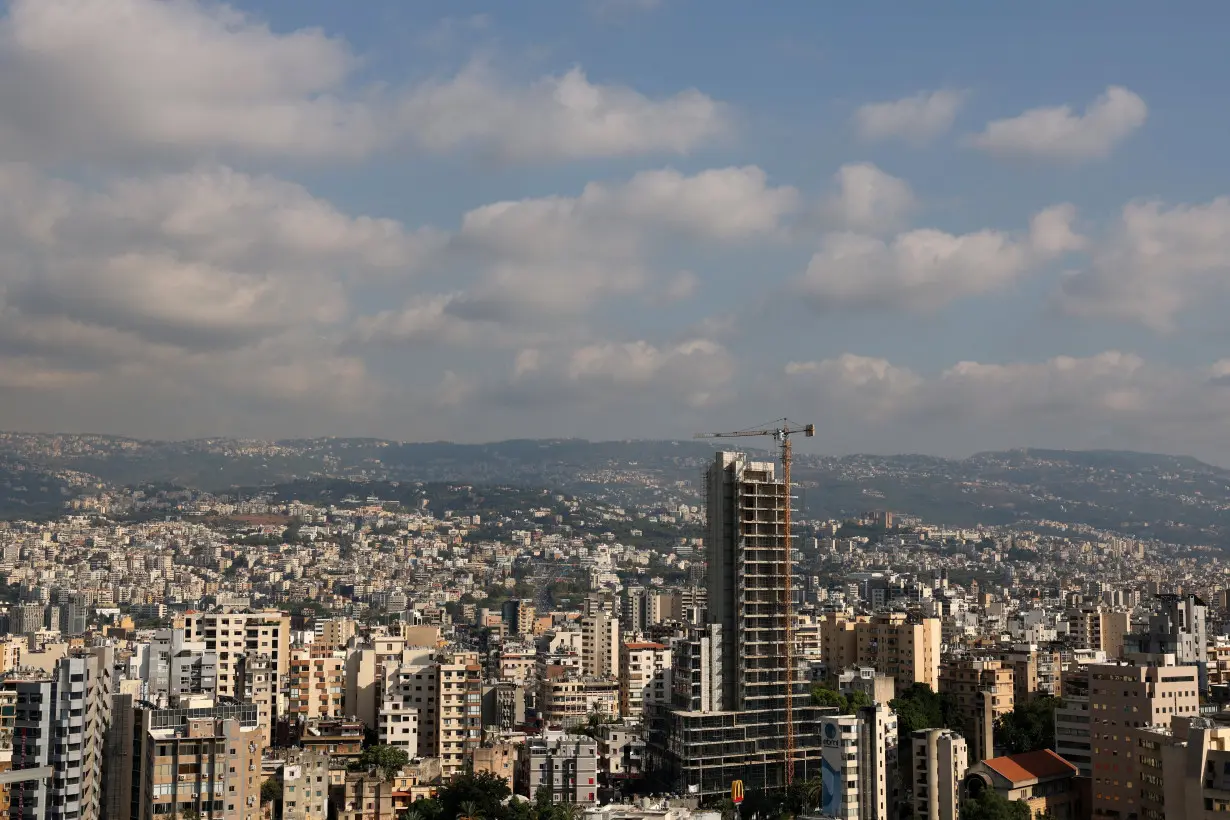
{"x": 382, "y": 388}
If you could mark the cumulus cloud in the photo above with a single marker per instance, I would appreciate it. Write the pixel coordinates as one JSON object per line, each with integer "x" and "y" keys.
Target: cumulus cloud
{"x": 557, "y": 255}
{"x": 133, "y": 78}
{"x": 917, "y": 118}
{"x": 1158, "y": 261}
{"x": 208, "y": 258}
{"x": 693, "y": 372}
{"x": 1111, "y": 399}
{"x": 926, "y": 269}
{"x": 1058, "y": 133}
{"x": 867, "y": 199}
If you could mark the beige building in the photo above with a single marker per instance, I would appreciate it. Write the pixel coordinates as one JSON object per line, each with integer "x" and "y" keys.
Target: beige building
{"x": 315, "y": 683}
{"x": 940, "y": 762}
{"x": 644, "y": 676}
{"x": 973, "y": 684}
{"x": 305, "y": 785}
{"x": 838, "y": 644}
{"x": 1185, "y": 770}
{"x": 204, "y": 761}
{"x": 600, "y": 646}
{"x": 459, "y": 715}
{"x": 904, "y": 648}
{"x": 334, "y": 633}
{"x": 1099, "y": 628}
{"x": 231, "y": 635}
{"x": 1124, "y": 697}
{"x": 567, "y": 700}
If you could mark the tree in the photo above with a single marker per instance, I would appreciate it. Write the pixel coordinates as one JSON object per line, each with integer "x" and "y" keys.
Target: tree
{"x": 991, "y": 805}
{"x": 847, "y": 704}
{"x": 387, "y": 761}
{"x": 469, "y": 811}
{"x": 271, "y": 790}
{"x": 478, "y": 795}
{"x": 1029, "y": 727}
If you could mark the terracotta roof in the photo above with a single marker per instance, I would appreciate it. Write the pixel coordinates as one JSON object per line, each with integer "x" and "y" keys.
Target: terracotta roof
{"x": 1031, "y": 766}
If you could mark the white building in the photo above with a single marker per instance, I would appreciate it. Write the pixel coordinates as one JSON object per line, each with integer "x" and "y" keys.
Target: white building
{"x": 859, "y": 752}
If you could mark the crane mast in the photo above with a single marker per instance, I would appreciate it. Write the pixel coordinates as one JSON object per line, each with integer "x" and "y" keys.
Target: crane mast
{"x": 781, "y": 434}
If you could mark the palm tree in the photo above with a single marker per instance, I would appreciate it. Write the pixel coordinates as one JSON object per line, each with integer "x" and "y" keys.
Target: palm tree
{"x": 814, "y": 789}
{"x": 412, "y": 814}
{"x": 469, "y": 811}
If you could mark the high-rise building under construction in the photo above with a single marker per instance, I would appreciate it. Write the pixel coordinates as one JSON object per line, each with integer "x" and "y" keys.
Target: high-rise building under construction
{"x": 728, "y": 715}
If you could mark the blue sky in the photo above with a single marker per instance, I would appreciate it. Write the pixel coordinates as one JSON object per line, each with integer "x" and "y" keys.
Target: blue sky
{"x": 939, "y": 229}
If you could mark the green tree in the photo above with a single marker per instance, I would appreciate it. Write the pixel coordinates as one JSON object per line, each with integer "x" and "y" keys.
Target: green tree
{"x": 482, "y": 794}
{"x": 1029, "y": 727}
{"x": 991, "y": 805}
{"x": 469, "y": 811}
{"x": 387, "y": 761}
{"x": 271, "y": 790}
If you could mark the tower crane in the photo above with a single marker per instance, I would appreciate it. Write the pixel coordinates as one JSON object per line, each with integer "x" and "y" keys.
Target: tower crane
{"x": 780, "y": 432}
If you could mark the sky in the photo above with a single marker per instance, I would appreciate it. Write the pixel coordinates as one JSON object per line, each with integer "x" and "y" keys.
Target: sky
{"x": 940, "y": 228}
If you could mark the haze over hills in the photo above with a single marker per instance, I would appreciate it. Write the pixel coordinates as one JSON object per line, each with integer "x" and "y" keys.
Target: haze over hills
{"x": 1175, "y": 498}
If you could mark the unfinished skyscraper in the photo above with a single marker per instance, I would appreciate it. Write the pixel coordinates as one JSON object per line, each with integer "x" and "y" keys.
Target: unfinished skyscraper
{"x": 742, "y": 735}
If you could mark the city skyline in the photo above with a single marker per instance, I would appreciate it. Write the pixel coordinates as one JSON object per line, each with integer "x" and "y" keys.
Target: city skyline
{"x": 942, "y": 233}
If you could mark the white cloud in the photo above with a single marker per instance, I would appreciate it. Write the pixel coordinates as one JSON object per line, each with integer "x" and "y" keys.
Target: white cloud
{"x": 926, "y": 269}
{"x": 1111, "y": 399}
{"x": 206, "y": 259}
{"x": 917, "y": 118}
{"x": 868, "y": 199}
{"x": 556, "y": 256}
{"x": 693, "y": 372}
{"x": 1057, "y": 133}
{"x": 133, "y": 79}
{"x": 1157, "y": 262}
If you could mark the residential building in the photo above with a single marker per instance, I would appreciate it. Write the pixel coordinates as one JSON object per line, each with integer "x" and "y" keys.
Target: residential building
{"x": 230, "y": 635}
{"x": 600, "y": 645}
{"x": 1042, "y": 780}
{"x": 1123, "y": 697}
{"x": 61, "y": 718}
{"x": 202, "y": 758}
{"x": 305, "y": 785}
{"x": 858, "y": 764}
{"x": 940, "y": 760}
{"x": 564, "y": 764}
{"x": 644, "y": 676}
{"x": 1072, "y": 729}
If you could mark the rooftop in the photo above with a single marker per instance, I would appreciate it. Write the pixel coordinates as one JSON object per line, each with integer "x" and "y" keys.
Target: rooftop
{"x": 1041, "y": 765}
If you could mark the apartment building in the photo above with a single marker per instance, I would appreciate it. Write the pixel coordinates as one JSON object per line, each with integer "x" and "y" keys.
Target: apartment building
{"x": 305, "y": 785}
{"x": 566, "y": 765}
{"x": 940, "y": 758}
{"x": 1124, "y": 697}
{"x": 600, "y": 645}
{"x": 315, "y": 683}
{"x": 231, "y": 635}
{"x": 1072, "y": 729}
{"x": 644, "y": 676}
{"x": 1099, "y": 628}
{"x": 905, "y": 648}
{"x": 566, "y": 701}
{"x": 257, "y": 682}
{"x": 397, "y": 723}
{"x": 459, "y": 709}
{"x": 982, "y": 691}
{"x": 857, "y": 764}
{"x": 60, "y": 720}
{"x": 203, "y": 759}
